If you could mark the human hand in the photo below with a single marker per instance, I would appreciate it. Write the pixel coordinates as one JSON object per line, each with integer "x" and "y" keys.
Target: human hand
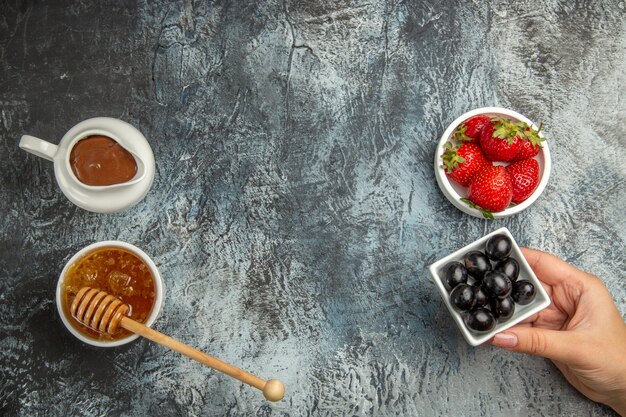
{"x": 581, "y": 331}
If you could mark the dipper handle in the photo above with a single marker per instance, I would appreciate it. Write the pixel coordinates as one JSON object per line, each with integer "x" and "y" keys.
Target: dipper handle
{"x": 104, "y": 313}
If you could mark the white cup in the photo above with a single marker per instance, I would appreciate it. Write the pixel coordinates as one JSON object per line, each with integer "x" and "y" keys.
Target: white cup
{"x": 101, "y": 199}
{"x": 158, "y": 289}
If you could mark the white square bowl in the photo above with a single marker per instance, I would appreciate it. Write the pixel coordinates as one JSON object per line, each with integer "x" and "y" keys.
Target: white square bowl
{"x": 541, "y": 301}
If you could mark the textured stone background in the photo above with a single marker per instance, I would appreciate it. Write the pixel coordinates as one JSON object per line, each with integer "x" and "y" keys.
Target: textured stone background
{"x": 294, "y": 210}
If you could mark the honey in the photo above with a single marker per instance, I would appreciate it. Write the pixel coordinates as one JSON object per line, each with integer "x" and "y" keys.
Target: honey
{"x": 119, "y": 273}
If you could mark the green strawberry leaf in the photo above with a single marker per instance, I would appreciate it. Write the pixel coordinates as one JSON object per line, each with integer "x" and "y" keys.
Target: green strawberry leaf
{"x": 506, "y": 129}
{"x": 459, "y": 134}
{"x": 533, "y": 135}
{"x": 451, "y": 159}
{"x": 486, "y": 213}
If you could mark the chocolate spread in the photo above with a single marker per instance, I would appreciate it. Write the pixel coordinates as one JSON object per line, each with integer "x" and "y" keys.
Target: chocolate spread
{"x": 99, "y": 160}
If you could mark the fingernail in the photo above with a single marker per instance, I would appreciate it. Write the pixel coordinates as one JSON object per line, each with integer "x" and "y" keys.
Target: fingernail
{"x": 505, "y": 340}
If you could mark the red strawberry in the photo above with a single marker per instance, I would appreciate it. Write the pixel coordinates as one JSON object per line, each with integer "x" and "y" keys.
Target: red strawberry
{"x": 462, "y": 162}
{"x": 525, "y": 177}
{"x": 491, "y": 188}
{"x": 469, "y": 130}
{"x": 501, "y": 139}
{"x": 531, "y": 144}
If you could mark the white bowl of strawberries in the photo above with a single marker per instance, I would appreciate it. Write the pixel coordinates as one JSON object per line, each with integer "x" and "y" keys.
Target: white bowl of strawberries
{"x": 492, "y": 162}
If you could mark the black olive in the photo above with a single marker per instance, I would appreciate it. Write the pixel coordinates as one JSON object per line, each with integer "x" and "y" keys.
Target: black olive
{"x": 497, "y": 285}
{"x": 477, "y": 264}
{"x": 502, "y": 309}
{"x": 509, "y": 267}
{"x": 455, "y": 274}
{"x": 462, "y": 297}
{"x": 498, "y": 247}
{"x": 523, "y": 292}
{"x": 480, "y": 320}
{"x": 481, "y": 298}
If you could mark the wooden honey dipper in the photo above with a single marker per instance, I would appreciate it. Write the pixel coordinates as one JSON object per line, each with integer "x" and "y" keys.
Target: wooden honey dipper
{"x": 105, "y": 313}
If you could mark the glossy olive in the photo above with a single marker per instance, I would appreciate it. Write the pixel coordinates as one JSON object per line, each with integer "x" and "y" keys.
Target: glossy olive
{"x": 477, "y": 264}
{"x": 462, "y": 297}
{"x": 479, "y": 320}
{"x": 523, "y": 292}
{"x": 482, "y": 300}
{"x": 455, "y": 274}
{"x": 498, "y": 247}
{"x": 502, "y": 309}
{"x": 509, "y": 267}
{"x": 497, "y": 285}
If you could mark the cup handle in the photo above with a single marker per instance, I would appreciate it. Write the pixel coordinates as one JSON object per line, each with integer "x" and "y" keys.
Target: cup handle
{"x": 38, "y": 147}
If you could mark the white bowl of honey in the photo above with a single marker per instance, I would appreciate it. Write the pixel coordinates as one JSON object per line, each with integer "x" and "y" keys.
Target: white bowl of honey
{"x": 121, "y": 269}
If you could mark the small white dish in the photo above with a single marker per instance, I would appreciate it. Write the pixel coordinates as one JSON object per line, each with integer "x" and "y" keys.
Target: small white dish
{"x": 158, "y": 286}
{"x": 98, "y": 199}
{"x": 454, "y": 192}
{"x": 541, "y": 301}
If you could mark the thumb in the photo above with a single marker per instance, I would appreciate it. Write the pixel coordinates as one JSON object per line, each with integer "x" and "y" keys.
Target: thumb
{"x": 552, "y": 344}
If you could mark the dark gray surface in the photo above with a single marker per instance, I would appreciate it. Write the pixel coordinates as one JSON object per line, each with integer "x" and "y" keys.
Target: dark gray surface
{"x": 294, "y": 210}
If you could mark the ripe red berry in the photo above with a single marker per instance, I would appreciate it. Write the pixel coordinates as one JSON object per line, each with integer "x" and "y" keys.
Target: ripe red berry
{"x": 469, "y": 130}
{"x": 462, "y": 162}
{"x": 501, "y": 140}
{"x": 525, "y": 178}
{"x": 527, "y": 150}
{"x": 491, "y": 188}
{"x": 531, "y": 144}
